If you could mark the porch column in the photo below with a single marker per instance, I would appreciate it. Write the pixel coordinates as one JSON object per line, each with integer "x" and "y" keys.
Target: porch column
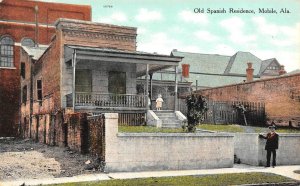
{"x": 151, "y": 85}
{"x": 147, "y": 87}
{"x": 176, "y": 89}
{"x": 73, "y": 84}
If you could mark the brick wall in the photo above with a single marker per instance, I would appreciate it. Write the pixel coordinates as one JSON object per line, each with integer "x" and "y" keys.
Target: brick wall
{"x": 281, "y": 96}
{"x": 18, "y": 26}
{"x": 97, "y": 34}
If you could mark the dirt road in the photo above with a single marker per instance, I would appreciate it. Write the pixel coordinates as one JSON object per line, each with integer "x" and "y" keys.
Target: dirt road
{"x": 25, "y": 159}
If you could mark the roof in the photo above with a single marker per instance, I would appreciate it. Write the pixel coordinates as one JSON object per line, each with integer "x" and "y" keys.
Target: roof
{"x": 238, "y": 63}
{"x": 35, "y": 52}
{"x": 265, "y": 64}
{"x": 204, "y": 63}
{"x": 297, "y": 71}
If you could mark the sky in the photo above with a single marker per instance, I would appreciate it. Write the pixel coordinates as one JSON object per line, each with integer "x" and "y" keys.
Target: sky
{"x": 167, "y": 25}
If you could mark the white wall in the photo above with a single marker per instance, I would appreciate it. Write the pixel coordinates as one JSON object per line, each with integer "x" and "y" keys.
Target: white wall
{"x": 164, "y": 151}
{"x": 251, "y": 149}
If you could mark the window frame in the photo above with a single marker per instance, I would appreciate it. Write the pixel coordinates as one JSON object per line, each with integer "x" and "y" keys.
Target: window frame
{"x": 7, "y": 52}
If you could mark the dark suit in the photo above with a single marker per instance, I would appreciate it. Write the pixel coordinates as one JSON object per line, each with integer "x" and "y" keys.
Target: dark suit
{"x": 271, "y": 146}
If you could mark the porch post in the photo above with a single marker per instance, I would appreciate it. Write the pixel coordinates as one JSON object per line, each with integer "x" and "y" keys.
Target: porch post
{"x": 73, "y": 84}
{"x": 147, "y": 87}
{"x": 176, "y": 88}
{"x": 151, "y": 75}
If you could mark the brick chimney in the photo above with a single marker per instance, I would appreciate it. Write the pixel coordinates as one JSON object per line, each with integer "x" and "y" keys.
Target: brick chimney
{"x": 249, "y": 72}
{"x": 185, "y": 70}
{"x": 282, "y": 71}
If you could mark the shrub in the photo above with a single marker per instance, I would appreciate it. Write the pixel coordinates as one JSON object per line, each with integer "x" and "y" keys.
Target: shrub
{"x": 197, "y": 107}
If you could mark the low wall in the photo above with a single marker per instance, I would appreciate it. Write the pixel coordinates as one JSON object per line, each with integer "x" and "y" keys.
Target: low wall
{"x": 164, "y": 151}
{"x": 250, "y": 149}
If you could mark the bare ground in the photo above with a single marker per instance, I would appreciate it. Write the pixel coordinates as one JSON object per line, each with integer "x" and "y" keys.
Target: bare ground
{"x": 25, "y": 159}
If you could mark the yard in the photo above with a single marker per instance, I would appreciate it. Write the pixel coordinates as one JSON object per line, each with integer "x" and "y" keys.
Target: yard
{"x": 212, "y": 180}
{"x": 205, "y": 127}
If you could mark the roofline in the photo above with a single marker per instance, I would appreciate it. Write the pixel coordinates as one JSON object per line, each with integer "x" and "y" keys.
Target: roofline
{"x": 122, "y": 51}
{"x": 67, "y": 20}
{"x": 198, "y": 53}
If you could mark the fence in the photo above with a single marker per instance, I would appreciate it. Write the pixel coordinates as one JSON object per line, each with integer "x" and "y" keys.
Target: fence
{"x": 131, "y": 119}
{"x": 230, "y": 113}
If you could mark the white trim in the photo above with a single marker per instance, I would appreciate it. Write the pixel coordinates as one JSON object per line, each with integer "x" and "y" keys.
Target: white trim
{"x": 8, "y": 68}
{"x": 26, "y": 23}
{"x": 19, "y": 44}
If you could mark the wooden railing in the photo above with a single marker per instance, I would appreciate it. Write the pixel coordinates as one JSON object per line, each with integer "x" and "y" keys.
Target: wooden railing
{"x": 110, "y": 100}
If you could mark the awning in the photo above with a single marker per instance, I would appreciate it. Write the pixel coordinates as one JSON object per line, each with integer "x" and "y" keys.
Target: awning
{"x": 156, "y": 62}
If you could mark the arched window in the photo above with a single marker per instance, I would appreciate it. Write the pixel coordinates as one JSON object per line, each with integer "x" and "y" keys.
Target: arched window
{"x": 6, "y": 52}
{"x": 27, "y": 42}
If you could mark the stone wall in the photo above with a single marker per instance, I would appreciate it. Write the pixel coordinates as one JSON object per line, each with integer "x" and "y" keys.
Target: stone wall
{"x": 281, "y": 97}
{"x": 160, "y": 151}
{"x": 250, "y": 149}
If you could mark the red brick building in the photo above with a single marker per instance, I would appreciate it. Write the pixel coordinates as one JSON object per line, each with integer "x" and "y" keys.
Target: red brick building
{"x": 18, "y": 28}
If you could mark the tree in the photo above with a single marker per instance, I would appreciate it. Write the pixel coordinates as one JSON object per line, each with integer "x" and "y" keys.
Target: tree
{"x": 197, "y": 107}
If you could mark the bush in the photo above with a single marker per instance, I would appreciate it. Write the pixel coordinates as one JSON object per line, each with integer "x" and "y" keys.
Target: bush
{"x": 197, "y": 107}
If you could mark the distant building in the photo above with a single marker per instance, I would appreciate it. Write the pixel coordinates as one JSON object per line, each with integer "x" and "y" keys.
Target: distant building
{"x": 213, "y": 70}
{"x": 23, "y": 22}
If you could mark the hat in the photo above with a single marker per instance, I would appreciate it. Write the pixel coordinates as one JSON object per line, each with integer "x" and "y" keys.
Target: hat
{"x": 272, "y": 127}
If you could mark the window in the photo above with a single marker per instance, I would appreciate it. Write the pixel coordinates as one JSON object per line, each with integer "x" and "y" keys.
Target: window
{"x": 83, "y": 81}
{"x": 27, "y": 42}
{"x": 24, "y": 94}
{"x": 6, "y": 52}
{"x": 23, "y": 70}
{"x": 117, "y": 82}
{"x": 39, "y": 90}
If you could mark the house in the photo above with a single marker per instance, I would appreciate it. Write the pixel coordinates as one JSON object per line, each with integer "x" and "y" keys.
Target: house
{"x": 25, "y": 23}
{"x": 213, "y": 70}
{"x": 88, "y": 67}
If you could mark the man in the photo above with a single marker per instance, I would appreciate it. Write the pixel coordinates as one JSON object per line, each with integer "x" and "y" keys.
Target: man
{"x": 271, "y": 144}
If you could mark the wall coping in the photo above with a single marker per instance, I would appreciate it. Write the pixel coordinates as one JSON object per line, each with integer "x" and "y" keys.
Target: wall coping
{"x": 244, "y": 83}
{"x": 279, "y": 134}
{"x": 174, "y": 135}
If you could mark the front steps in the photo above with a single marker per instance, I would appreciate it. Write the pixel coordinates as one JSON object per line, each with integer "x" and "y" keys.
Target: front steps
{"x": 168, "y": 119}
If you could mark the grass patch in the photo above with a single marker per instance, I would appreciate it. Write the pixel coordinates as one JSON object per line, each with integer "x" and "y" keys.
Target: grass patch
{"x": 221, "y": 128}
{"x": 212, "y": 180}
{"x": 148, "y": 129}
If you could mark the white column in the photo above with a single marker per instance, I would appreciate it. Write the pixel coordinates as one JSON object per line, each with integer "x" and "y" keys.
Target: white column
{"x": 147, "y": 87}
{"x": 176, "y": 89}
{"x": 73, "y": 84}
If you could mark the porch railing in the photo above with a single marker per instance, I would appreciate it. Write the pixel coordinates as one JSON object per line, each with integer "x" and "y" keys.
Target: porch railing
{"x": 110, "y": 100}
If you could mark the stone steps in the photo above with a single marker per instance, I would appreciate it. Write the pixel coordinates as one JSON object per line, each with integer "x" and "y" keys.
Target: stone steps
{"x": 169, "y": 119}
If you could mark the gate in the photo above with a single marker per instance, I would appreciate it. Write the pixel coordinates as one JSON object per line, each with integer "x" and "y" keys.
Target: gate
{"x": 96, "y": 125}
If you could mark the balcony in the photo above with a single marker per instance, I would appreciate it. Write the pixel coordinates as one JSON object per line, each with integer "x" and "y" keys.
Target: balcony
{"x": 84, "y": 100}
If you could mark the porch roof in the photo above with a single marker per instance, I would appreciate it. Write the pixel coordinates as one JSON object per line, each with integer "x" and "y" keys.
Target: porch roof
{"x": 155, "y": 61}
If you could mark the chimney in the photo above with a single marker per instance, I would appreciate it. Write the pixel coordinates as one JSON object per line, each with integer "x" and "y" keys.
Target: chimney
{"x": 36, "y": 11}
{"x": 282, "y": 71}
{"x": 249, "y": 72}
{"x": 185, "y": 70}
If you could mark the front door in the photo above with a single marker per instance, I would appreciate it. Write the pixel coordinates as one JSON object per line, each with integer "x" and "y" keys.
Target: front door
{"x": 117, "y": 82}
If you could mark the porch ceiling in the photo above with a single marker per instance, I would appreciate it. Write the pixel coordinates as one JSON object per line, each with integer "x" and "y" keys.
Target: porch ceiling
{"x": 155, "y": 61}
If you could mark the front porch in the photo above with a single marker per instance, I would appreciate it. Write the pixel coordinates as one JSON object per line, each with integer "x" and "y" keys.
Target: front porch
{"x": 101, "y": 80}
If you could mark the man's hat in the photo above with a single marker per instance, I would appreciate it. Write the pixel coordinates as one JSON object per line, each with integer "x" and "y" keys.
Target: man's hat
{"x": 272, "y": 127}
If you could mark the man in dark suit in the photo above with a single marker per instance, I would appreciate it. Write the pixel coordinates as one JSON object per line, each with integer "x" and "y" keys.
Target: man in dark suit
{"x": 271, "y": 145}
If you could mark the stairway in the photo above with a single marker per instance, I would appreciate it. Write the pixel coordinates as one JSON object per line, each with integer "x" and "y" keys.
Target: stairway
{"x": 168, "y": 118}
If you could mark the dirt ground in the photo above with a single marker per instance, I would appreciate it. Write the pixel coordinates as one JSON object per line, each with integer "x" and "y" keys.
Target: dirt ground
{"x": 25, "y": 159}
